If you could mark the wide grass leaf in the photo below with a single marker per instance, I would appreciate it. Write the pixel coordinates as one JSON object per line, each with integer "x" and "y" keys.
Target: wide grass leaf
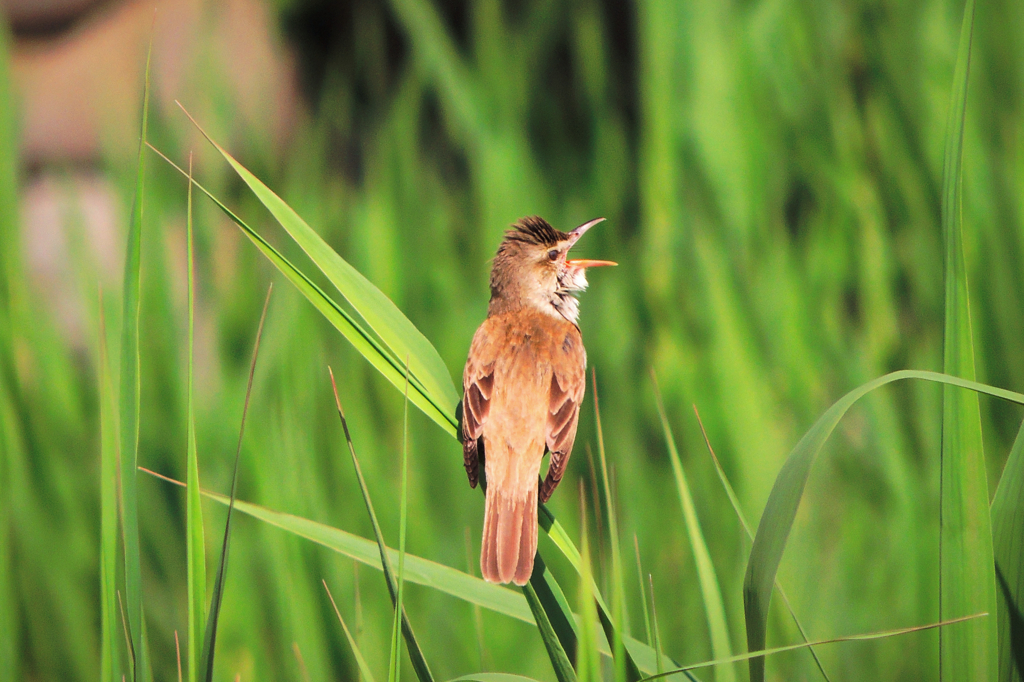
{"x": 421, "y": 571}
{"x": 1008, "y": 547}
{"x": 780, "y": 510}
{"x": 966, "y": 569}
{"x": 403, "y": 339}
{"x": 364, "y": 342}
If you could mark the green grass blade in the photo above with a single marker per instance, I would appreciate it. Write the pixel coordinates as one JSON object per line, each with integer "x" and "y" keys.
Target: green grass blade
{"x": 493, "y": 677}
{"x": 634, "y": 648}
{"x": 780, "y": 510}
{"x": 643, "y": 592}
{"x": 625, "y": 667}
{"x": 1008, "y": 547}
{"x": 556, "y": 607}
{"x": 380, "y": 313}
{"x": 588, "y": 662}
{"x": 738, "y": 508}
{"x": 129, "y": 399}
{"x": 110, "y": 652}
{"x": 418, "y": 570}
{"x": 714, "y": 607}
{"x": 966, "y": 570}
{"x": 194, "y": 536}
{"x": 363, "y": 341}
{"x": 419, "y": 662}
{"x": 556, "y": 653}
{"x": 210, "y": 632}
{"x": 863, "y": 637}
{"x": 395, "y": 669}
{"x": 654, "y": 619}
{"x": 364, "y": 668}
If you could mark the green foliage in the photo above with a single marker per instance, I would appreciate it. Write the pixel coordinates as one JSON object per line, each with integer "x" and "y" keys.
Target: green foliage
{"x": 419, "y": 662}
{"x": 206, "y": 661}
{"x": 772, "y": 174}
{"x": 1008, "y": 545}
{"x": 129, "y": 411}
{"x": 195, "y": 536}
{"x": 966, "y": 579}
{"x": 710, "y": 592}
{"x": 780, "y": 512}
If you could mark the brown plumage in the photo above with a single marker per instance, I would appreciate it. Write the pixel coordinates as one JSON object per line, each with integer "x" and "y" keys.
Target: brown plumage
{"x": 523, "y": 385}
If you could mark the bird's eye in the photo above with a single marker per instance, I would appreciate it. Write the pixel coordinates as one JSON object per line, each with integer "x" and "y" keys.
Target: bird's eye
{"x": 553, "y": 254}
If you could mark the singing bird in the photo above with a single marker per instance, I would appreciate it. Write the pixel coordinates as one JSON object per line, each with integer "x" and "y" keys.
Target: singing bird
{"x": 523, "y": 385}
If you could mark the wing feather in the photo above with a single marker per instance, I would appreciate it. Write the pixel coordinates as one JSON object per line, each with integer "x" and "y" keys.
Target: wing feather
{"x": 478, "y": 385}
{"x": 568, "y": 382}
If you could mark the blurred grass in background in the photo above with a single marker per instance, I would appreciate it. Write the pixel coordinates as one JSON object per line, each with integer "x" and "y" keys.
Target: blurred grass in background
{"x": 770, "y": 172}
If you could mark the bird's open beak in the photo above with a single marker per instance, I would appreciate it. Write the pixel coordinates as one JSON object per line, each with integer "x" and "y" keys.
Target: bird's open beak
{"x": 574, "y": 237}
{"x": 585, "y": 263}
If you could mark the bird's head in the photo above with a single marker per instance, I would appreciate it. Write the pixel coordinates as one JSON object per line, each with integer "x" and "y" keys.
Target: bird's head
{"x": 532, "y": 268}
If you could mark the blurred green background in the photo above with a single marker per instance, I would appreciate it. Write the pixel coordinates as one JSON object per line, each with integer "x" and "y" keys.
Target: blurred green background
{"x": 770, "y": 171}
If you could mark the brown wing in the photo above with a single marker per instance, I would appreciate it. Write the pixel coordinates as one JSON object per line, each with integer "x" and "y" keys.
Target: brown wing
{"x": 568, "y": 382}
{"x": 477, "y": 384}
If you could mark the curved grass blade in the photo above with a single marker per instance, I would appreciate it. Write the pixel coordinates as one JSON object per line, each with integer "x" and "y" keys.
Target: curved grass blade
{"x": 363, "y": 341}
{"x": 1008, "y": 547}
{"x": 419, "y": 663}
{"x": 418, "y": 570}
{"x": 129, "y": 407}
{"x": 380, "y": 313}
{"x": 966, "y": 565}
{"x": 738, "y": 508}
{"x": 364, "y": 668}
{"x": 865, "y": 637}
{"x": 195, "y": 538}
{"x": 493, "y": 677}
{"x": 780, "y": 510}
{"x": 718, "y": 627}
{"x": 210, "y": 636}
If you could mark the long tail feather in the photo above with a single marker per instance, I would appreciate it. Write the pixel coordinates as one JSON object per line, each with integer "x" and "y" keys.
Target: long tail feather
{"x": 510, "y": 536}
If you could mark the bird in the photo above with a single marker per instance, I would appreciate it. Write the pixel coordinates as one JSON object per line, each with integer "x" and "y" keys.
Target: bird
{"x": 523, "y": 383}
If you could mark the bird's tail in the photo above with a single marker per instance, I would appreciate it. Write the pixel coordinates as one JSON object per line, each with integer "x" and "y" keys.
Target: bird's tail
{"x": 510, "y": 535}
